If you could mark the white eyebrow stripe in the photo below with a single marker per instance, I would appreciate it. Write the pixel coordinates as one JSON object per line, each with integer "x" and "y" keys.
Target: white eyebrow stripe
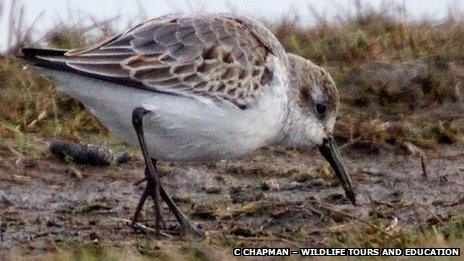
{"x": 317, "y": 94}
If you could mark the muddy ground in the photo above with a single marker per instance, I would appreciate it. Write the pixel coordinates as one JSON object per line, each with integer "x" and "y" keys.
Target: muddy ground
{"x": 271, "y": 198}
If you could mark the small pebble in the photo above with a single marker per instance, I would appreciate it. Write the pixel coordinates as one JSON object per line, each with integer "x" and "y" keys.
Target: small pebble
{"x": 374, "y": 172}
{"x": 336, "y": 198}
{"x": 274, "y": 184}
{"x": 94, "y": 236}
{"x": 212, "y": 190}
{"x": 301, "y": 177}
{"x": 52, "y": 223}
{"x": 122, "y": 157}
{"x": 264, "y": 186}
{"x": 294, "y": 185}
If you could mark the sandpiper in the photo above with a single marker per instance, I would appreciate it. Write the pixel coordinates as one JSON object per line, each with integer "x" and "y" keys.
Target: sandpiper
{"x": 200, "y": 88}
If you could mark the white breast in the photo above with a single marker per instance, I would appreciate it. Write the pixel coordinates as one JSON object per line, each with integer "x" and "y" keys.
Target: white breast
{"x": 181, "y": 128}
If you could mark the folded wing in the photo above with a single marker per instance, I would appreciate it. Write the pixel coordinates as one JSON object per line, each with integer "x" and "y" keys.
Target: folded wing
{"x": 218, "y": 57}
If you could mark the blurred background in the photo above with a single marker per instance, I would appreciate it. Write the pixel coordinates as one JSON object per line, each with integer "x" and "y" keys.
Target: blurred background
{"x": 399, "y": 68}
{"x": 47, "y": 14}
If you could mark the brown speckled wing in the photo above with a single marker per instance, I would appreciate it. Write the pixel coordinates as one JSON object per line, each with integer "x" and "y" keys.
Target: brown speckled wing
{"x": 213, "y": 56}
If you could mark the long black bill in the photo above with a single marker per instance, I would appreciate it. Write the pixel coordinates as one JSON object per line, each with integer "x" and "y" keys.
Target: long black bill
{"x": 331, "y": 153}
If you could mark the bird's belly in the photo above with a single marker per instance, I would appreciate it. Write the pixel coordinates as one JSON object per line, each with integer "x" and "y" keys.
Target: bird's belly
{"x": 181, "y": 128}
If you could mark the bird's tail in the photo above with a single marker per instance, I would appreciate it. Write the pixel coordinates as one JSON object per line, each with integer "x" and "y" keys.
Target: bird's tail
{"x": 42, "y": 57}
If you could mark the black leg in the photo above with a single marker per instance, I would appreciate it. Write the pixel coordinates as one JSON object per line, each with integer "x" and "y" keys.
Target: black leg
{"x": 152, "y": 175}
{"x": 146, "y": 193}
{"x": 180, "y": 217}
{"x": 154, "y": 187}
{"x": 143, "y": 198}
{"x": 187, "y": 227}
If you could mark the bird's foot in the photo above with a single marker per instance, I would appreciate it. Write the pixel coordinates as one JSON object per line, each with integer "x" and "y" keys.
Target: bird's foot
{"x": 191, "y": 229}
{"x": 160, "y": 224}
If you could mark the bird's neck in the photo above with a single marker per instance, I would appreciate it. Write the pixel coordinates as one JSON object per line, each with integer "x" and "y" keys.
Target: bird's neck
{"x": 299, "y": 130}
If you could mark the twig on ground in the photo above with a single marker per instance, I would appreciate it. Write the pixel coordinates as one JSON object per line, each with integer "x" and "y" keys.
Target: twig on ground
{"x": 424, "y": 168}
{"x": 15, "y": 152}
{"x": 455, "y": 203}
{"x": 380, "y": 202}
{"x": 305, "y": 206}
{"x": 458, "y": 92}
{"x": 392, "y": 224}
{"x": 331, "y": 209}
{"x": 447, "y": 157}
{"x": 138, "y": 225}
{"x": 431, "y": 212}
{"x": 141, "y": 226}
{"x": 41, "y": 116}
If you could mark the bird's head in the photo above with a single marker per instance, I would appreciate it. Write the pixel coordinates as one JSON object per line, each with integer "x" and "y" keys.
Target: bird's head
{"x": 314, "y": 101}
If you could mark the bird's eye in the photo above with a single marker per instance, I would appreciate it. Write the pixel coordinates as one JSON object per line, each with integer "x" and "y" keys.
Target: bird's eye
{"x": 321, "y": 109}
